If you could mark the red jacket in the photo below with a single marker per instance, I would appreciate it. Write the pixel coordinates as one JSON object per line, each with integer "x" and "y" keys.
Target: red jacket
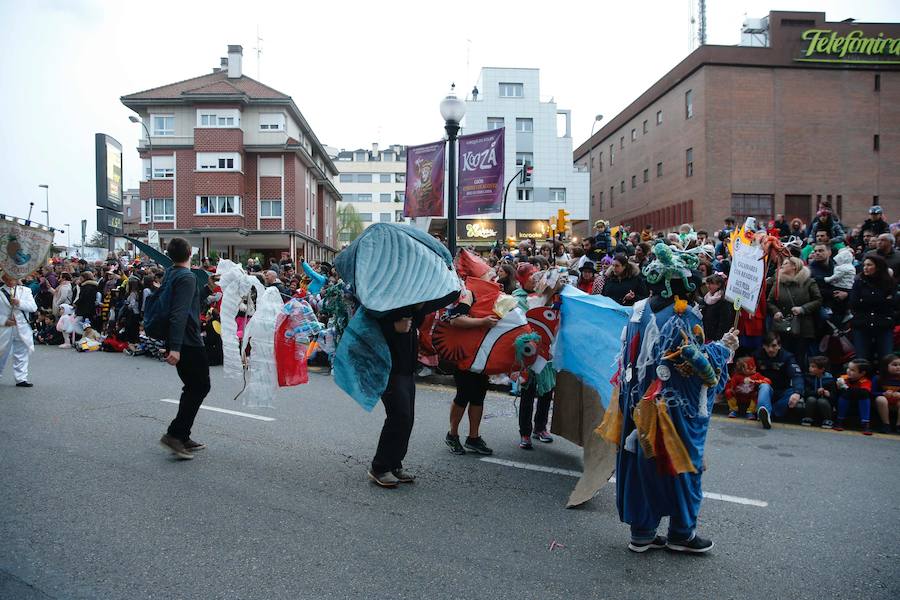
{"x": 745, "y": 388}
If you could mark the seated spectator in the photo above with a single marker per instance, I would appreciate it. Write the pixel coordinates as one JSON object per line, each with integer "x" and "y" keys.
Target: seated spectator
{"x": 855, "y": 388}
{"x": 794, "y": 301}
{"x": 886, "y": 391}
{"x": 601, "y": 241}
{"x": 884, "y": 247}
{"x": 819, "y": 393}
{"x": 872, "y": 303}
{"x": 624, "y": 282}
{"x": 742, "y": 390}
{"x": 781, "y": 368}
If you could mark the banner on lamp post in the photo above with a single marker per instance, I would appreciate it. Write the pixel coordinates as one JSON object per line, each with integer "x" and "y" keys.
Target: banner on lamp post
{"x": 424, "y": 181}
{"x": 481, "y": 161}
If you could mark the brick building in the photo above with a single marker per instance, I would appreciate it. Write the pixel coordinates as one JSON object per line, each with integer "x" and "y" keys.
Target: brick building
{"x": 236, "y": 169}
{"x": 803, "y": 110}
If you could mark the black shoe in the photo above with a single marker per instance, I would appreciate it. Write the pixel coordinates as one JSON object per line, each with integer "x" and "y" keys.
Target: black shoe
{"x": 657, "y": 543}
{"x": 478, "y": 446}
{"x": 402, "y": 476}
{"x": 175, "y": 446}
{"x": 453, "y": 442}
{"x": 695, "y": 545}
{"x": 385, "y": 480}
{"x": 192, "y": 446}
{"x": 24, "y": 384}
{"x": 764, "y": 418}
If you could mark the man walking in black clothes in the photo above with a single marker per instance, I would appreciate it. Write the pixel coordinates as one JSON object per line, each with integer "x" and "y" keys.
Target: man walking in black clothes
{"x": 401, "y": 332}
{"x": 186, "y": 351}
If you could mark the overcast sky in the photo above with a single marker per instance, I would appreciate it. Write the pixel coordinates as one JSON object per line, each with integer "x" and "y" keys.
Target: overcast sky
{"x": 360, "y": 72}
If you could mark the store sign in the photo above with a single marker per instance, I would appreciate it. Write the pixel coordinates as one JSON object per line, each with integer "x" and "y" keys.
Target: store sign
{"x": 856, "y": 47}
{"x": 482, "y": 230}
{"x": 532, "y": 230}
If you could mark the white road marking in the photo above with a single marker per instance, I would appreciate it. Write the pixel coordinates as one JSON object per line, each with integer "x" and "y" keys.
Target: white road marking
{"x": 224, "y": 410}
{"x": 543, "y": 469}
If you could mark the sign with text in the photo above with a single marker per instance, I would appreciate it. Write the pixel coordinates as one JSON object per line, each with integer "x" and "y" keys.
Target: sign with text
{"x": 481, "y": 161}
{"x": 745, "y": 279}
{"x": 856, "y": 47}
{"x": 110, "y": 222}
{"x": 482, "y": 230}
{"x": 424, "y": 181}
{"x": 108, "y": 154}
{"x": 532, "y": 230}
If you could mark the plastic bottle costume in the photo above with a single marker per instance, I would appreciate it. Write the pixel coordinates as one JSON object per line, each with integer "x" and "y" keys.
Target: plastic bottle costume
{"x": 667, "y": 381}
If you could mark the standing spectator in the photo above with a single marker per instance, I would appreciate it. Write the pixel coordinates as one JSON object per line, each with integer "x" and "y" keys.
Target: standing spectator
{"x": 797, "y": 230}
{"x": 886, "y": 391}
{"x": 718, "y": 313}
{"x": 63, "y": 293}
{"x": 781, "y": 368}
{"x": 872, "y": 305}
{"x": 185, "y": 350}
{"x": 855, "y": 388}
{"x": 624, "y": 283}
{"x": 133, "y": 310}
{"x": 602, "y": 242}
{"x": 825, "y": 221}
{"x": 547, "y": 252}
{"x": 794, "y": 301}
{"x": 820, "y": 393}
{"x": 875, "y": 223}
{"x": 560, "y": 255}
{"x": 86, "y": 299}
{"x": 586, "y": 277}
{"x": 884, "y": 248}
{"x": 784, "y": 230}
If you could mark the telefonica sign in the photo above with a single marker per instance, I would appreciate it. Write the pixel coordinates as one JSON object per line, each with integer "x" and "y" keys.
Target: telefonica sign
{"x": 828, "y": 46}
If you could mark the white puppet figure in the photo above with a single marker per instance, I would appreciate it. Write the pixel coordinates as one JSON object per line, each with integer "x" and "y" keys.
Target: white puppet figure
{"x": 260, "y": 334}
{"x": 236, "y": 285}
{"x": 66, "y": 325}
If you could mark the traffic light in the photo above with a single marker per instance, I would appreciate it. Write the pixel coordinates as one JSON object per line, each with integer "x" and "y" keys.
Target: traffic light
{"x": 527, "y": 171}
{"x": 562, "y": 223}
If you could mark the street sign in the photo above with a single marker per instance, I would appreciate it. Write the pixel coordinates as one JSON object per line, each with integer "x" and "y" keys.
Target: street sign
{"x": 110, "y": 222}
{"x": 153, "y": 238}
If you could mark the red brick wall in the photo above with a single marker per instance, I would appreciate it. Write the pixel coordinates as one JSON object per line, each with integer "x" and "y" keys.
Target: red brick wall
{"x": 295, "y": 193}
{"x": 249, "y": 200}
{"x": 217, "y": 183}
{"x": 218, "y": 140}
{"x": 270, "y": 188}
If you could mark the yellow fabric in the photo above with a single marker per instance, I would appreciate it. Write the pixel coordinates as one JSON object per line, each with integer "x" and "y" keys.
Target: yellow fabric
{"x": 651, "y": 418}
{"x": 610, "y": 429}
{"x": 217, "y": 327}
{"x": 504, "y": 304}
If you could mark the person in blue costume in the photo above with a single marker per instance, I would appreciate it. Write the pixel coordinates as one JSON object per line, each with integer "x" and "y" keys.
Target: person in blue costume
{"x": 668, "y": 379}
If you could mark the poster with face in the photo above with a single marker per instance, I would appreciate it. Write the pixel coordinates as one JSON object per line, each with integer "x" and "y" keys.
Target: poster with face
{"x": 424, "y": 181}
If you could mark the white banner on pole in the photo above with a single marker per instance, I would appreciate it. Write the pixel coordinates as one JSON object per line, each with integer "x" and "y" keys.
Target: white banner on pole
{"x": 153, "y": 238}
{"x": 746, "y": 276}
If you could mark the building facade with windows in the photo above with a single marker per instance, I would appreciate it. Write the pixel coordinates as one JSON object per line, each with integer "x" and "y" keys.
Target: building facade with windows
{"x": 536, "y": 132}
{"x": 803, "y": 110}
{"x": 374, "y": 182}
{"x": 236, "y": 169}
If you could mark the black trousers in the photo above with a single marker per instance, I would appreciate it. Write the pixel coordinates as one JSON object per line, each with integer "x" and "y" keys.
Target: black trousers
{"x": 526, "y": 405}
{"x": 193, "y": 369}
{"x": 400, "y": 406}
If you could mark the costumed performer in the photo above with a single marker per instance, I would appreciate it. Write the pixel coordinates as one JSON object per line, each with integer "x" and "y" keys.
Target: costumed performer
{"x": 16, "y": 337}
{"x": 668, "y": 379}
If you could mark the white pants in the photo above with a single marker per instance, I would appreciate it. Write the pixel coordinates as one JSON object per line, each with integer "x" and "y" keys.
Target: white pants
{"x": 19, "y": 351}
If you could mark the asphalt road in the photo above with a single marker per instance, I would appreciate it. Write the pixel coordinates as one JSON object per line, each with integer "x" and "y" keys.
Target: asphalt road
{"x": 92, "y": 507}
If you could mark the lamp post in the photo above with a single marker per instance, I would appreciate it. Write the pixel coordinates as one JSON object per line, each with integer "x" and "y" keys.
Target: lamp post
{"x": 47, "y": 199}
{"x": 135, "y": 119}
{"x": 68, "y": 238}
{"x": 452, "y": 110}
{"x": 597, "y": 119}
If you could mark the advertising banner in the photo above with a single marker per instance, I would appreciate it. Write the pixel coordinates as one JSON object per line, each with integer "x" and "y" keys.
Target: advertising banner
{"x": 424, "y": 181}
{"x": 481, "y": 161}
{"x": 23, "y": 248}
{"x": 748, "y": 270}
{"x": 108, "y": 153}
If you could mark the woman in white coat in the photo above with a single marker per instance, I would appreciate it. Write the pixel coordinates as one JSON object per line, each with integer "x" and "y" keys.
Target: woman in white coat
{"x": 15, "y": 333}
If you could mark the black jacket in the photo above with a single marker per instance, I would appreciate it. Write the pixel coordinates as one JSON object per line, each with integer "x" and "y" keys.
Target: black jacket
{"x": 872, "y": 307}
{"x": 782, "y": 370}
{"x": 184, "y": 310}
{"x": 717, "y": 318}
{"x": 86, "y": 303}
{"x": 631, "y": 281}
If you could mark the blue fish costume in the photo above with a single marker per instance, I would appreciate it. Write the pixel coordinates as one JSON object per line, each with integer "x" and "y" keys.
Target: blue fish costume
{"x": 667, "y": 382}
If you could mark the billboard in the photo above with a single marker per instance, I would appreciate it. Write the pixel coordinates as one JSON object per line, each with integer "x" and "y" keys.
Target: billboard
{"x": 424, "y": 181}
{"x": 481, "y": 161}
{"x": 108, "y": 154}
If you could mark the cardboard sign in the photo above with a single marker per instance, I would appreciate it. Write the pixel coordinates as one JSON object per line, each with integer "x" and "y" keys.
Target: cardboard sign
{"x": 748, "y": 271}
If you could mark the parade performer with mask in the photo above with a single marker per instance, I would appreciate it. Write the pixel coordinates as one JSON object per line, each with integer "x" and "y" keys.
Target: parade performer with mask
{"x": 667, "y": 381}
{"x": 16, "y": 339}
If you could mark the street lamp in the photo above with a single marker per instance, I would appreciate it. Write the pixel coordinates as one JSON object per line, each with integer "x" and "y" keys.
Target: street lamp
{"x": 597, "y": 119}
{"x": 47, "y": 199}
{"x": 135, "y": 119}
{"x": 452, "y": 110}
{"x": 69, "y": 238}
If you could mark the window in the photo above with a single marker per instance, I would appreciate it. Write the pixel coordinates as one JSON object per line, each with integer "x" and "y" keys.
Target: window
{"x": 689, "y": 162}
{"x": 600, "y": 161}
{"x": 365, "y": 217}
{"x": 645, "y": 126}
{"x": 612, "y": 155}
{"x": 523, "y": 157}
{"x": 387, "y": 156}
{"x": 611, "y": 192}
{"x": 512, "y": 90}
{"x": 525, "y": 125}
{"x": 646, "y": 175}
{"x": 226, "y": 117}
{"x": 385, "y": 217}
{"x": 385, "y": 178}
{"x": 557, "y": 194}
{"x": 218, "y": 205}
{"x": 689, "y": 104}
{"x": 364, "y": 197}
{"x": 633, "y": 135}
{"x": 346, "y": 178}
{"x": 163, "y": 210}
{"x": 494, "y": 123}
{"x": 633, "y": 181}
{"x": 360, "y": 156}
{"x": 214, "y": 161}
{"x": 877, "y": 83}
{"x": 525, "y": 194}
{"x": 601, "y": 202}
{"x": 163, "y": 167}
{"x": 592, "y": 162}
{"x": 876, "y": 142}
{"x": 363, "y": 178}
{"x": 399, "y": 196}
{"x": 659, "y": 117}
{"x": 270, "y": 208}
{"x": 622, "y": 187}
{"x": 385, "y": 198}
{"x": 400, "y": 177}
{"x": 271, "y": 122}
{"x": 752, "y": 205}
{"x": 659, "y": 169}
{"x": 163, "y": 124}
{"x": 271, "y": 167}
{"x": 592, "y": 201}
{"x": 622, "y": 142}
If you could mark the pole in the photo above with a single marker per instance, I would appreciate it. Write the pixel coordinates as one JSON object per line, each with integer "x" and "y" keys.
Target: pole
{"x": 83, "y": 235}
{"x": 30, "y": 208}
{"x": 47, "y": 199}
{"x": 452, "y": 128}
{"x": 503, "y": 214}
{"x": 150, "y": 181}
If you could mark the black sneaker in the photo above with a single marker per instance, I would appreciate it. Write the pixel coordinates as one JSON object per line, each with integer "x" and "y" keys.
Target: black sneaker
{"x": 453, "y": 442}
{"x": 385, "y": 480}
{"x": 806, "y": 422}
{"x": 764, "y": 418}
{"x": 403, "y": 477}
{"x": 657, "y": 543}
{"x": 24, "y": 384}
{"x": 192, "y": 446}
{"x": 478, "y": 446}
{"x": 175, "y": 446}
{"x": 695, "y": 545}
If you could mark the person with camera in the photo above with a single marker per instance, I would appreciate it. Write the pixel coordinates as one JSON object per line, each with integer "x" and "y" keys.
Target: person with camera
{"x": 794, "y": 301}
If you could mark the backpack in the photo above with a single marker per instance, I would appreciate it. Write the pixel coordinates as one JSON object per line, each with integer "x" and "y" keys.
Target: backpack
{"x": 157, "y": 307}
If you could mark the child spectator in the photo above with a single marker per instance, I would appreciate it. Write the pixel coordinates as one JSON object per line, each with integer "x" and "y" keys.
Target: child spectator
{"x": 602, "y": 241}
{"x": 855, "y": 387}
{"x": 718, "y": 314}
{"x": 742, "y": 390}
{"x": 844, "y": 271}
{"x": 45, "y": 330}
{"x": 886, "y": 390}
{"x": 819, "y": 391}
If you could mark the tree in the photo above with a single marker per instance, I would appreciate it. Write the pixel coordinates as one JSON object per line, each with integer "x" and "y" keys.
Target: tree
{"x": 349, "y": 225}
{"x": 97, "y": 240}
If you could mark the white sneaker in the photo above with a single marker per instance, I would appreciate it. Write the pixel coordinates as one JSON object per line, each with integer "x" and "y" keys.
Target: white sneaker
{"x": 64, "y": 346}
{"x": 424, "y": 372}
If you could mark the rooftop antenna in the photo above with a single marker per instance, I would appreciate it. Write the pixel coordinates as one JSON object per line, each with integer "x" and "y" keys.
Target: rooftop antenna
{"x": 701, "y": 35}
{"x": 259, "y": 50}
{"x": 692, "y": 34}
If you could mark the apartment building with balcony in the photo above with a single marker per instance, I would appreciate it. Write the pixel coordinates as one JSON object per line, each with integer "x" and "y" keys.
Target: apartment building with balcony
{"x": 235, "y": 168}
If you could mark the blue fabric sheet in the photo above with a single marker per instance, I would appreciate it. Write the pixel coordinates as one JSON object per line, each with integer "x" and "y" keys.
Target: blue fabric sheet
{"x": 362, "y": 362}
{"x": 589, "y": 338}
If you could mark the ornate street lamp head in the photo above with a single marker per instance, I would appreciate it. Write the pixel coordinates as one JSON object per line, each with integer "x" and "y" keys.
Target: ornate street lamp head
{"x": 452, "y": 108}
